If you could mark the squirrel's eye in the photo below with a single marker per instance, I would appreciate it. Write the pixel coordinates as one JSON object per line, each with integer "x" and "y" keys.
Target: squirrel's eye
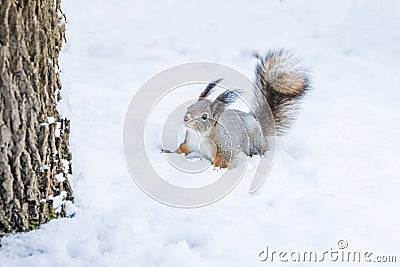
{"x": 204, "y": 116}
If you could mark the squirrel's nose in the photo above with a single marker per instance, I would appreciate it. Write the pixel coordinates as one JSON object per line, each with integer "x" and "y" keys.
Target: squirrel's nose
{"x": 186, "y": 118}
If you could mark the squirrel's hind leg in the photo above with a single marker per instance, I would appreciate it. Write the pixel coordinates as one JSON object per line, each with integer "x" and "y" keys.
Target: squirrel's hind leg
{"x": 183, "y": 148}
{"x": 220, "y": 160}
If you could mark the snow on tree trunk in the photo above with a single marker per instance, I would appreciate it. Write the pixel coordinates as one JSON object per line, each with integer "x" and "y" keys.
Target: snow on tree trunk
{"x": 35, "y": 161}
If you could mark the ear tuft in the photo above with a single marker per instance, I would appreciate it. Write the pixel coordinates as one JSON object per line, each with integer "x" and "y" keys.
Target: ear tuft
{"x": 209, "y": 89}
{"x": 224, "y": 99}
{"x": 228, "y": 97}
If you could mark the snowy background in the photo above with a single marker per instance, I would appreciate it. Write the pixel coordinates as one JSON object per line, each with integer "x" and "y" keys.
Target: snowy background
{"x": 336, "y": 173}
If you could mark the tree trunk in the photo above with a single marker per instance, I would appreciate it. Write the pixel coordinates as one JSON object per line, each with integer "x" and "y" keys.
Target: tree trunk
{"x": 34, "y": 158}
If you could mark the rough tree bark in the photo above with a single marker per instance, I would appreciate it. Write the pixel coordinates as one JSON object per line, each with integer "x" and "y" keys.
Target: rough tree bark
{"x": 35, "y": 162}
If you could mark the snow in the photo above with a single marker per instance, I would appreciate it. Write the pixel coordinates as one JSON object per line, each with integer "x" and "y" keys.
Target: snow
{"x": 50, "y": 120}
{"x": 59, "y": 177}
{"x": 57, "y": 131}
{"x": 58, "y": 201}
{"x": 66, "y": 164}
{"x": 335, "y": 174}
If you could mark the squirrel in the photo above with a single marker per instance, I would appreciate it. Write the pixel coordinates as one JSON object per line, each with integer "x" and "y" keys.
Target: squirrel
{"x": 220, "y": 133}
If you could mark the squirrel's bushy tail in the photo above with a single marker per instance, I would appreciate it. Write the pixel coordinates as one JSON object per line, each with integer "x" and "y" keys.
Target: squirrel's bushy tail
{"x": 283, "y": 81}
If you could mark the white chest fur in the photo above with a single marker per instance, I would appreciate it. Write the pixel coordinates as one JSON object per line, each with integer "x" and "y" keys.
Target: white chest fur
{"x": 200, "y": 144}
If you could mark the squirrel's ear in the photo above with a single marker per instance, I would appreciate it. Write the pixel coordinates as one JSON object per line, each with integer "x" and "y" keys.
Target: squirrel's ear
{"x": 217, "y": 107}
{"x": 227, "y": 97}
{"x": 209, "y": 89}
{"x": 224, "y": 99}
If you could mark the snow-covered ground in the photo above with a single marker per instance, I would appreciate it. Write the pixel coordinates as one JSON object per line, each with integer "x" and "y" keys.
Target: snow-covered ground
{"x": 335, "y": 175}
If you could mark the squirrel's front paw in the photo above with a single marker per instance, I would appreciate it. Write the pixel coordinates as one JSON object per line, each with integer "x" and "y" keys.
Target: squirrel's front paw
{"x": 221, "y": 162}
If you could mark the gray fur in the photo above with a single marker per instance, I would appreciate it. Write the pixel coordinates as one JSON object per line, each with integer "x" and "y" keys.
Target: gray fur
{"x": 280, "y": 83}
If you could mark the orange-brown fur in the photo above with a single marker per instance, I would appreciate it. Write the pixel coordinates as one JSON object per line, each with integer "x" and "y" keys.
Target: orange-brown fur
{"x": 221, "y": 160}
{"x": 183, "y": 148}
